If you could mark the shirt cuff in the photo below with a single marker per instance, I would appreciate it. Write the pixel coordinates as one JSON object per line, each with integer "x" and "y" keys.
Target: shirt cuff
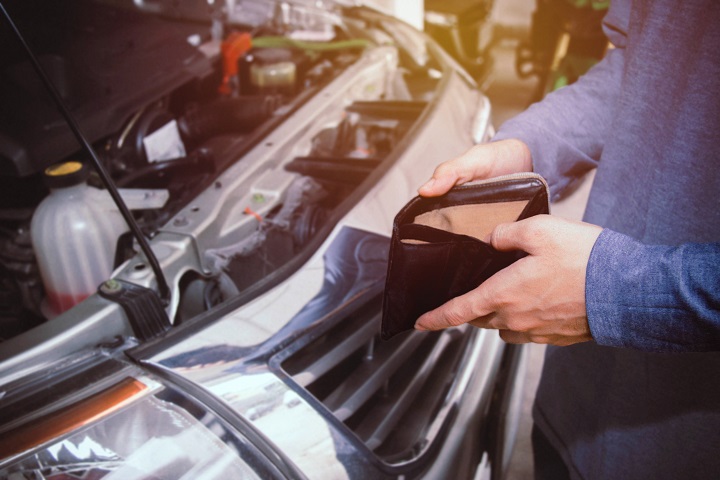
{"x": 652, "y": 297}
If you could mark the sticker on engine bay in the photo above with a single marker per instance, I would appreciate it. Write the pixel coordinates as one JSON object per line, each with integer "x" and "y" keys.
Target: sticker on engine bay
{"x": 164, "y": 143}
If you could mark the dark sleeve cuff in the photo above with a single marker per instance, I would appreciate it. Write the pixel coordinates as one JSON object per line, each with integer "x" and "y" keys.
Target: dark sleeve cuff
{"x": 653, "y": 297}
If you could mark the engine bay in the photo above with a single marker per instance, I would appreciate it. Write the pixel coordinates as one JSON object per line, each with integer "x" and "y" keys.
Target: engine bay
{"x": 237, "y": 132}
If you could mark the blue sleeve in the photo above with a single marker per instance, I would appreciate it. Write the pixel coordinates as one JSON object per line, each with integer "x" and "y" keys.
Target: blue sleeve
{"x": 653, "y": 297}
{"x": 566, "y": 130}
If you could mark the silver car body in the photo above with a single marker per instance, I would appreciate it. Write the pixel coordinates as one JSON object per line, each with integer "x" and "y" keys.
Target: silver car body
{"x": 248, "y": 362}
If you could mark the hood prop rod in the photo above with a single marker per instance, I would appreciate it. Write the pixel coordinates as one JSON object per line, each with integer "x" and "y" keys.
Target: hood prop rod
{"x": 163, "y": 287}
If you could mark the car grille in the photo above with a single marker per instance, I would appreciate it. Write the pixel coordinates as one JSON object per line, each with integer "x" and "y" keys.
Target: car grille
{"x": 387, "y": 393}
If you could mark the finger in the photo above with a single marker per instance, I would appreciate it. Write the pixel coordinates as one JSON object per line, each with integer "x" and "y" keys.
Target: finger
{"x": 509, "y": 336}
{"x": 457, "y": 311}
{"x": 486, "y": 321}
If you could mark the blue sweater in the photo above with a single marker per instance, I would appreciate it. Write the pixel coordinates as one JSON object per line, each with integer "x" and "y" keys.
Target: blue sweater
{"x": 648, "y": 118}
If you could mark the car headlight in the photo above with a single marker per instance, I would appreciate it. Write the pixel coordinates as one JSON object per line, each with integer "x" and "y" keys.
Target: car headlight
{"x": 136, "y": 428}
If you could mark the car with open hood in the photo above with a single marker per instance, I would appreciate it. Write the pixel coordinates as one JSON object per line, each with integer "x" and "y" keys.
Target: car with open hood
{"x": 196, "y": 204}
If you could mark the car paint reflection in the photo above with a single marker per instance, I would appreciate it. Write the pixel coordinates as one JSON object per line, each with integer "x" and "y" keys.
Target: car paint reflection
{"x": 354, "y": 268}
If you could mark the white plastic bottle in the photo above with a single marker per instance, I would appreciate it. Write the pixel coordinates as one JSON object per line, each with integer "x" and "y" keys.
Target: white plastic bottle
{"x": 74, "y": 235}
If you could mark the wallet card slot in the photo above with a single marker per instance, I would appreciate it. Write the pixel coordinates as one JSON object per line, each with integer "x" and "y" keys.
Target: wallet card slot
{"x": 474, "y": 220}
{"x": 417, "y": 234}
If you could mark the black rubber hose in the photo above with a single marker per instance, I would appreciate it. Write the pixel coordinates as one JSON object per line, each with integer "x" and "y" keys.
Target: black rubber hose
{"x": 226, "y": 115}
{"x": 201, "y": 160}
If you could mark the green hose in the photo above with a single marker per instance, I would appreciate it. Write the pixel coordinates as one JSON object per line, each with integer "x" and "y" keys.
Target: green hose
{"x": 594, "y": 4}
{"x": 279, "y": 42}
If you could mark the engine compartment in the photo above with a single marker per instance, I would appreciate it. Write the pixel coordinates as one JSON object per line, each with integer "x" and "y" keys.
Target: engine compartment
{"x": 221, "y": 112}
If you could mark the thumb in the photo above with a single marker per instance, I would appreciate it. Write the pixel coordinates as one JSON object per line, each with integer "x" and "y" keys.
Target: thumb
{"x": 437, "y": 186}
{"x": 445, "y": 177}
{"x": 484, "y": 160}
{"x": 525, "y": 235}
{"x": 448, "y": 174}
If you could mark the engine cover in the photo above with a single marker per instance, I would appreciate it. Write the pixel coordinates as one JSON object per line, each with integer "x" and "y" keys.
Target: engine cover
{"x": 106, "y": 62}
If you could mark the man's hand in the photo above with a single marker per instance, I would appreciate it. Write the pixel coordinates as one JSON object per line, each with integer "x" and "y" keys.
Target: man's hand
{"x": 485, "y": 160}
{"x": 541, "y": 297}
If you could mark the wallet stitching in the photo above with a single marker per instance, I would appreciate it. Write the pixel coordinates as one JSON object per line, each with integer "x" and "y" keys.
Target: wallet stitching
{"x": 532, "y": 183}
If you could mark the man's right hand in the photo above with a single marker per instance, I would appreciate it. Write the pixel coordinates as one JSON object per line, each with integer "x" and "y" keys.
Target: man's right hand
{"x": 482, "y": 161}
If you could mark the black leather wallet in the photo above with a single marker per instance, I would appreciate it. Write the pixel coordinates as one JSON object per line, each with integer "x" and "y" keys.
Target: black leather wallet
{"x": 437, "y": 250}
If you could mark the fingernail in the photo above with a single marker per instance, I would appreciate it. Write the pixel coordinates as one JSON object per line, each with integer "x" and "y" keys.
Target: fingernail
{"x": 420, "y": 328}
{"x": 428, "y": 185}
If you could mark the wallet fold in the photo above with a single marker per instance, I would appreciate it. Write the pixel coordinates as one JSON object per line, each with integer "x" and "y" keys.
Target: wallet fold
{"x": 437, "y": 250}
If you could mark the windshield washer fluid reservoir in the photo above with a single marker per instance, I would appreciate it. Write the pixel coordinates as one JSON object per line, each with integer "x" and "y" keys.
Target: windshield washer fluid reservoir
{"x": 74, "y": 233}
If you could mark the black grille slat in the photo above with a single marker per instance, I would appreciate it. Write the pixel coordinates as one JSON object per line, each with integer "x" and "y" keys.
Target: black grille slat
{"x": 376, "y": 427}
{"x": 336, "y": 355}
{"x": 370, "y": 377}
{"x": 388, "y": 393}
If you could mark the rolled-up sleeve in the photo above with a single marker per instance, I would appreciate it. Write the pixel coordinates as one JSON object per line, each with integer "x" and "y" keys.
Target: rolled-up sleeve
{"x": 653, "y": 297}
